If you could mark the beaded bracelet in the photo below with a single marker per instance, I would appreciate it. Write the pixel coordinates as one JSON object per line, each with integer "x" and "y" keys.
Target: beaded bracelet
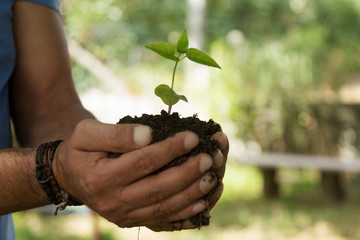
{"x": 45, "y": 176}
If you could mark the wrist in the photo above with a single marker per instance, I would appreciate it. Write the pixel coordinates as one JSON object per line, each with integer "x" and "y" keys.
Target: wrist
{"x": 46, "y": 177}
{"x": 60, "y": 172}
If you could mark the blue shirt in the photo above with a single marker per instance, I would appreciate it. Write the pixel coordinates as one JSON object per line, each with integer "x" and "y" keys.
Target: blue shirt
{"x": 7, "y": 62}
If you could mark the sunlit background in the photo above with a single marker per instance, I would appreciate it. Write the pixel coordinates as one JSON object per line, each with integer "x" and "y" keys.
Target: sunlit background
{"x": 289, "y": 85}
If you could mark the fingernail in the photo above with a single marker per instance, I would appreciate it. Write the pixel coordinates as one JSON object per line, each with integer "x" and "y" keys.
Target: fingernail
{"x": 190, "y": 141}
{"x": 207, "y": 183}
{"x": 205, "y": 163}
{"x": 198, "y": 208}
{"x": 218, "y": 159}
{"x": 206, "y": 214}
{"x": 142, "y": 135}
{"x": 223, "y": 140}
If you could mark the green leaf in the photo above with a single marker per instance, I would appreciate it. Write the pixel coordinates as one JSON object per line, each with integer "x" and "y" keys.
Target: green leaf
{"x": 167, "y": 94}
{"x": 183, "y": 42}
{"x": 164, "y": 92}
{"x": 198, "y": 56}
{"x": 181, "y": 97}
{"x": 165, "y": 49}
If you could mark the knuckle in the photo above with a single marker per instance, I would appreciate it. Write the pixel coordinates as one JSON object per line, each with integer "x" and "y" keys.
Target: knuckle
{"x": 81, "y": 126}
{"x": 161, "y": 209}
{"x": 129, "y": 224}
{"x": 104, "y": 207}
{"x": 130, "y": 221}
{"x": 79, "y": 131}
{"x": 115, "y": 135}
{"x": 154, "y": 193}
{"x": 155, "y": 228}
{"x": 93, "y": 184}
{"x": 160, "y": 227}
{"x": 174, "y": 148}
{"x": 146, "y": 165}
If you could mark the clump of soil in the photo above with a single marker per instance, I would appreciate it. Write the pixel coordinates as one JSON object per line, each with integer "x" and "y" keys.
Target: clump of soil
{"x": 165, "y": 125}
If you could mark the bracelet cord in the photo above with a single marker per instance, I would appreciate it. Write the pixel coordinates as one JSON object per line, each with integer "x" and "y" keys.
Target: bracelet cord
{"x": 46, "y": 178}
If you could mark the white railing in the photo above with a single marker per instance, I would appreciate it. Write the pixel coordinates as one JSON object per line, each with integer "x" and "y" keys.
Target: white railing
{"x": 278, "y": 160}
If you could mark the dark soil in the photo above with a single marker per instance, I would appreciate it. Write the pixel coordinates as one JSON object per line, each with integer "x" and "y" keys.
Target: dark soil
{"x": 164, "y": 126}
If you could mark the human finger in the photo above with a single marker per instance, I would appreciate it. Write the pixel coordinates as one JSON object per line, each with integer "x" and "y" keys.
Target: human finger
{"x": 146, "y": 206}
{"x": 182, "y": 205}
{"x": 223, "y": 142}
{"x": 151, "y": 220}
{"x": 214, "y": 198}
{"x": 92, "y": 135}
{"x": 172, "y": 226}
{"x": 219, "y": 162}
{"x": 155, "y": 188}
{"x": 142, "y": 162}
{"x": 220, "y": 156}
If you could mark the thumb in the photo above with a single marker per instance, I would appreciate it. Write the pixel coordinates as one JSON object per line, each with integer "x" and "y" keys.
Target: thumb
{"x": 92, "y": 135}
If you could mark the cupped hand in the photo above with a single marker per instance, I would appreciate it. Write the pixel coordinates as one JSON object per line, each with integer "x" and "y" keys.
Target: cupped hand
{"x": 220, "y": 158}
{"x": 122, "y": 189}
{"x": 219, "y": 165}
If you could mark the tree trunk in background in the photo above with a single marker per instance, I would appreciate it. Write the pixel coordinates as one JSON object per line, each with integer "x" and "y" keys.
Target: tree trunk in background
{"x": 197, "y": 76}
{"x": 332, "y": 185}
{"x": 270, "y": 184}
{"x": 96, "y": 226}
{"x": 196, "y": 11}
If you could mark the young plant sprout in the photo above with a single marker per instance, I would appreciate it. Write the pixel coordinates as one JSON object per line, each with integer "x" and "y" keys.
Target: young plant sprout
{"x": 178, "y": 53}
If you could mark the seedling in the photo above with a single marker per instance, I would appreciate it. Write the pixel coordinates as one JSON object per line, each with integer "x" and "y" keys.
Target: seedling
{"x": 177, "y": 53}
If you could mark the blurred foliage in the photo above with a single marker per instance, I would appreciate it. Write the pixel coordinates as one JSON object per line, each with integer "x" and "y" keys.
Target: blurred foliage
{"x": 325, "y": 33}
{"x": 286, "y": 61}
{"x": 301, "y": 212}
{"x": 283, "y": 61}
{"x": 118, "y": 30}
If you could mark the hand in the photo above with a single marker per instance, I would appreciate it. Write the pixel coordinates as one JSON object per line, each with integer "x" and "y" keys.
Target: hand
{"x": 121, "y": 189}
{"x": 220, "y": 158}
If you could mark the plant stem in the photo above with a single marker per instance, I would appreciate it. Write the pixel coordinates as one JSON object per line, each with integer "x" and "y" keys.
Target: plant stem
{"x": 173, "y": 75}
{"x": 172, "y": 85}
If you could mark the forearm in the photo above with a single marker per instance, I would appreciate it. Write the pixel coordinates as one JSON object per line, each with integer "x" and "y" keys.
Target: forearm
{"x": 57, "y": 124}
{"x": 43, "y": 100}
{"x": 19, "y": 187}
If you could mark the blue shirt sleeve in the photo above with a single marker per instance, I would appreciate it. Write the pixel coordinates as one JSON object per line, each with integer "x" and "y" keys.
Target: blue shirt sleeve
{"x": 55, "y": 4}
{"x": 7, "y": 230}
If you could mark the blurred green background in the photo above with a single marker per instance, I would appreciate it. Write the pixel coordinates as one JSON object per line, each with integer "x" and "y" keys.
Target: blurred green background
{"x": 289, "y": 83}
